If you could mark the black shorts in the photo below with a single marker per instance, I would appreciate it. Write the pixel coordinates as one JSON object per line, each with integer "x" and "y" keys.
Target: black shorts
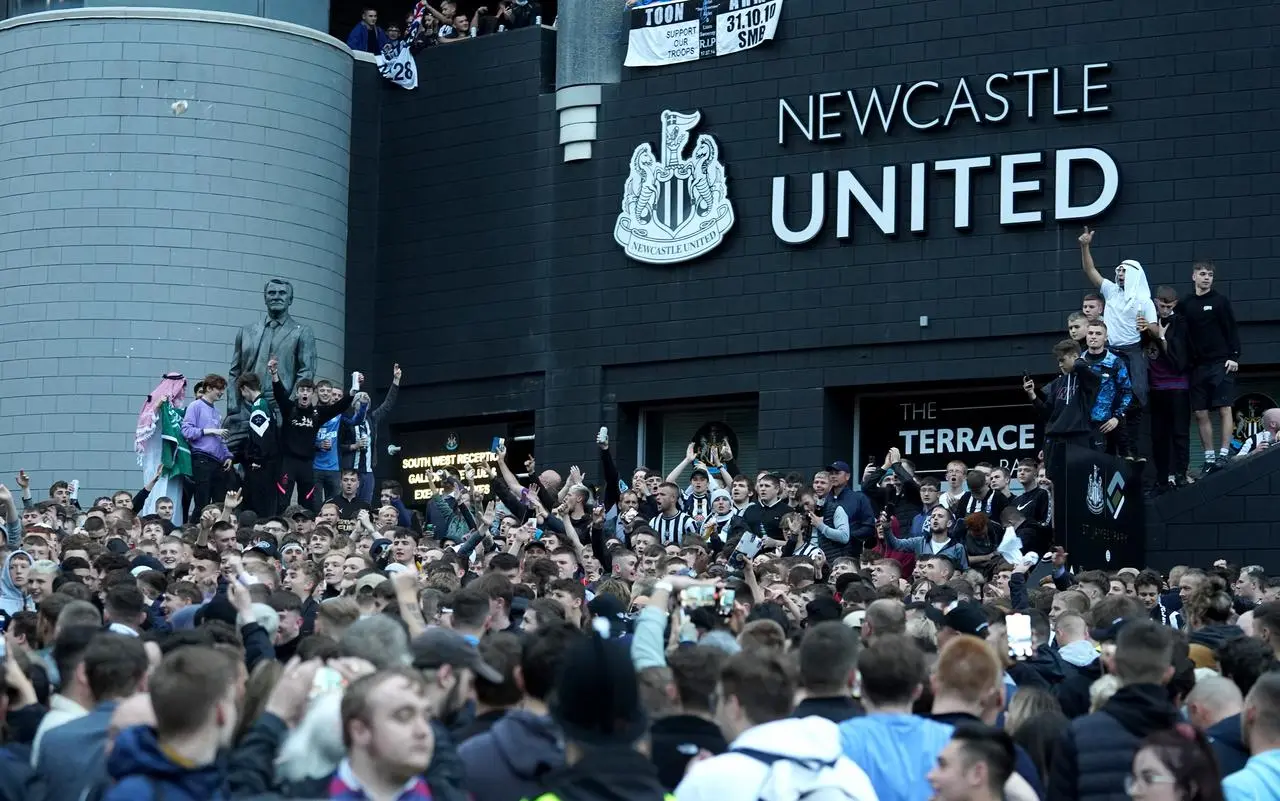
{"x": 1212, "y": 387}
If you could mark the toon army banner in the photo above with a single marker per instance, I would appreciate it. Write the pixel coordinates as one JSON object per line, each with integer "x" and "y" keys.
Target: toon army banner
{"x": 688, "y": 30}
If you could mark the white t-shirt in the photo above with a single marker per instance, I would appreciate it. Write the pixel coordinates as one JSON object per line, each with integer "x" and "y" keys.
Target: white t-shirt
{"x": 1121, "y": 314}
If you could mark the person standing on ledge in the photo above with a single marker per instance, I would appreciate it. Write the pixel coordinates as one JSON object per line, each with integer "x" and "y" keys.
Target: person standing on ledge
{"x": 1215, "y": 358}
{"x": 298, "y": 423}
{"x": 366, "y": 36}
{"x": 1128, "y": 300}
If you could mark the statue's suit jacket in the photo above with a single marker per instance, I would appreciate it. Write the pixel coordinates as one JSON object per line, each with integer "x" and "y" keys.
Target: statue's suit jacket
{"x": 295, "y": 349}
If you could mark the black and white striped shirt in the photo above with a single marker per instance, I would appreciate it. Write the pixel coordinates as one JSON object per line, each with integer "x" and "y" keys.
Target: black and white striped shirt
{"x": 693, "y": 505}
{"x": 671, "y": 530}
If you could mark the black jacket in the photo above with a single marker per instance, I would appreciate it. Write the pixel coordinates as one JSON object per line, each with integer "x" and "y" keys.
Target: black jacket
{"x": 298, "y": 427}
{"x": 1048, "y": 664}
{"x": 677, "y": 739}
{"x": 1066, "y": 404}
{"x": 837, "y": 709}
{"x": 1211, "y": 328}
{"x": 607, "y": 773}
{"x": 261, "y": 445}
{"x": 906, "y": 501}
{"x": 1215, "y": 636}
{"x": 1096, "y": 754}
{"x": 1073, "y": 692}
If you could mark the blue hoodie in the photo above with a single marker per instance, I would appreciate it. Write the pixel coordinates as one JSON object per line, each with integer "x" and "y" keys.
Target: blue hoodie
{"x": 12, "y": 598}
{"x": 896, "y": 752}
{"x": 143, "y": 772}
{"x": 1259, "y": 781}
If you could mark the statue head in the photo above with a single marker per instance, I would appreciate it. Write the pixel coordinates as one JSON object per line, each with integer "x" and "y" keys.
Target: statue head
{"x": 278, "y": 294}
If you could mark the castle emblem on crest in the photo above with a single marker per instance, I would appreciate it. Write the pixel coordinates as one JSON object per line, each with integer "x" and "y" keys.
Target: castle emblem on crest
{"x": 674, "y": 209}
{"x": 1093, "y": 497}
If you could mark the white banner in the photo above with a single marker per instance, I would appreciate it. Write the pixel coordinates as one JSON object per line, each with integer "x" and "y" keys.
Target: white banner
{"x": 399, "y": 67}
{"x": 687, "y": 30}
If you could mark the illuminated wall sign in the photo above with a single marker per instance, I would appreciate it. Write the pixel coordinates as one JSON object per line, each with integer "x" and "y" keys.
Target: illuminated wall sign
{"x": 931, "y": 429}
{"x": 421, "y": 471}
{"x": 425, "y": 454}
{"x": 939, "y": 106}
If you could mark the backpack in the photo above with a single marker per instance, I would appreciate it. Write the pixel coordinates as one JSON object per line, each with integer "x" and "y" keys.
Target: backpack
{"x": 793, "y": 778}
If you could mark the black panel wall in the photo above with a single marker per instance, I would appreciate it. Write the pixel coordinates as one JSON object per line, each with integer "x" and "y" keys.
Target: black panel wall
{"x": 500, "y": 288}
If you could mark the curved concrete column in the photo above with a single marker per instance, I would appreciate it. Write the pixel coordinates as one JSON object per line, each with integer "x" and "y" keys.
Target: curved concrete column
{"x": 157, "y": 166}
{"x": 591, "y": 44}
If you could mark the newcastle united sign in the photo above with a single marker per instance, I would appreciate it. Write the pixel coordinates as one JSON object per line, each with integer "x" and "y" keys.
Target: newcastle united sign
{"x": 998, "y": 98}
{"x": 674, "y": 208}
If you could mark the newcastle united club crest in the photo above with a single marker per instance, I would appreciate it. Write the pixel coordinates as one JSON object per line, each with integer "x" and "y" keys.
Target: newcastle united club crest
{"x": 675, "y": 208}
{"x": 1093, "y": 498}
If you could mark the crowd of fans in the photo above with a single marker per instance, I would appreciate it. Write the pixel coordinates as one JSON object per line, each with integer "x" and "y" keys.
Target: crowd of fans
{"x": 1129, "y": 356}
{"x": 703, "y": 634}
{"x": 443, "y": 25}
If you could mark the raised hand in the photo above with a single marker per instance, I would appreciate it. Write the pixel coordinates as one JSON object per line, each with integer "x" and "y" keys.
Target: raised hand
{"x": 273, "y": 366}
{"x": 288, "y": 700}
{"x": 24, "y": 480}
{"x": 1086, "y": 237}
{"x": 395, "y": 374}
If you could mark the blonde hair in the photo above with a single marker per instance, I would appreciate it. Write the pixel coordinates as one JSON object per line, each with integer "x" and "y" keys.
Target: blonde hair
{"x": 922, "y": 628}
{"x": 1100, "y": 691}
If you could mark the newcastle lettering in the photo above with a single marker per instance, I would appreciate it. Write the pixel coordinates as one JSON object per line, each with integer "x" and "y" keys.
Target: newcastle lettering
{"x": 1073, "y": 183}
{"x": 927, "y": 105}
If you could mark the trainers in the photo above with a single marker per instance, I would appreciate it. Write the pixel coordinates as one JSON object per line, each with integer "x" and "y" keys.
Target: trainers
{"x": 1210, "y": 467}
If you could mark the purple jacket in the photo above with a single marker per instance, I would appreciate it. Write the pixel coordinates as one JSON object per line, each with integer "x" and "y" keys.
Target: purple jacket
{"x": 201, "y": 415}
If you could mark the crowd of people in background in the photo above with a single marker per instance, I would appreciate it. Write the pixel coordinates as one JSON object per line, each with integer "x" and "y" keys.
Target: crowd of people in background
{"x": 443, "y": 25}
{"x": 699, "y": 634}
{"x": 1129, "y": 356}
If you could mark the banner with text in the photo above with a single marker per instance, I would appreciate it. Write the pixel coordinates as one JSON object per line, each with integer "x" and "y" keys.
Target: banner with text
{"x": 932, "y": 428}
{"x": 688, "y": 30}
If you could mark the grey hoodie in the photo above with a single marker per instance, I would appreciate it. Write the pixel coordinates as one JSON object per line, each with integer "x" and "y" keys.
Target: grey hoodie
{"x": 507, "y": 762}
{"x": 12, "y": 598}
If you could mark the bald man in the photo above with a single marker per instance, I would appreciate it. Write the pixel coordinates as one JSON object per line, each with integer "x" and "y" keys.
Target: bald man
{"x": 1267, "y": 434}
{"x": 1214, "y": 706}
{"x": 1080, "y": 658}
{"x": 884, "y": 616}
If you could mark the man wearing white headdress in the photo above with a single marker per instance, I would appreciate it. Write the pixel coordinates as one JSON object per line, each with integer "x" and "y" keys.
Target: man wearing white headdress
{"x": 161, "y": 448}
{"x": 1128, "y": 300}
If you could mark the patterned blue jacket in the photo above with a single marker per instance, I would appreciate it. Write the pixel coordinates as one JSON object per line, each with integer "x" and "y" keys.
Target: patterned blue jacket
{"x": 1116, "y": 393}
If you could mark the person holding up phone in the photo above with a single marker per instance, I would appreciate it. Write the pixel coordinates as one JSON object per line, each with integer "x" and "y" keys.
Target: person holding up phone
{"x": 1066, "y": 403}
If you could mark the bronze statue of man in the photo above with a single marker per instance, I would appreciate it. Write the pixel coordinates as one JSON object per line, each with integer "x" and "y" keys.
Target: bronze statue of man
{"x": 293, "y": 344}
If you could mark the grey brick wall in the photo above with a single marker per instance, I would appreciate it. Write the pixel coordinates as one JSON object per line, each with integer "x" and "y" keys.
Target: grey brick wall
{"x": 135, "y": 241}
